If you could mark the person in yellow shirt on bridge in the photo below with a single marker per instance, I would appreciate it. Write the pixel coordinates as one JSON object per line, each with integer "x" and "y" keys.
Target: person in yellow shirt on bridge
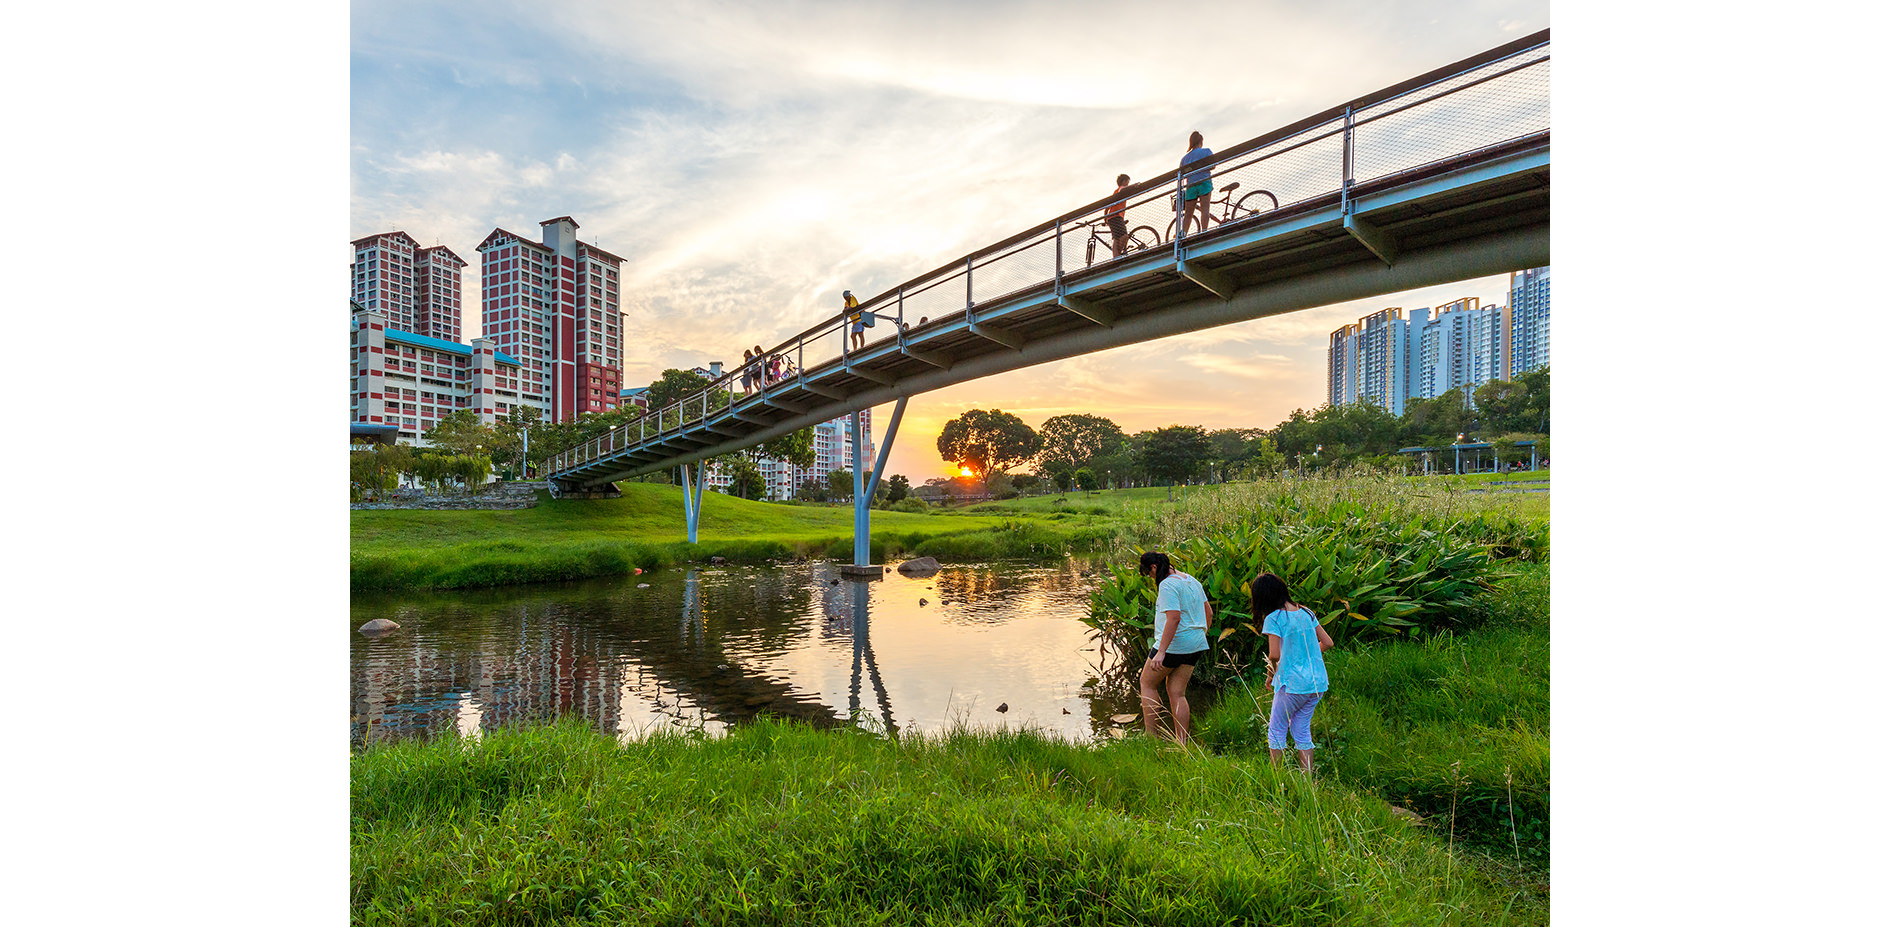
{"x": 857, "y": 320}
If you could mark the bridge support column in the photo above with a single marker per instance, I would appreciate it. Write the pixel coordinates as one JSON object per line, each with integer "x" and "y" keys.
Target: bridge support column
{"x": 866, "y": 484}
{"x": 693, "y": 482}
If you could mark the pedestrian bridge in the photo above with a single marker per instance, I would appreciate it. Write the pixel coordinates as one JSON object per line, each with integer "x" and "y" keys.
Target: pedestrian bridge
{"x": 1440, "y": 178}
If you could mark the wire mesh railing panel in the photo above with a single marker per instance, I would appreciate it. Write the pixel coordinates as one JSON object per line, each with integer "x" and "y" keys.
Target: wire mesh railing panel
{"x": 1491, "y": 105}
{"x": 1292, "y": 173}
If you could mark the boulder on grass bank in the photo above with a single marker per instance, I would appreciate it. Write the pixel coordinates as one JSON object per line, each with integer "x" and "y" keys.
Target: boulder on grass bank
{"x": 922, "y": 566}
{"x": 379, "y": 626}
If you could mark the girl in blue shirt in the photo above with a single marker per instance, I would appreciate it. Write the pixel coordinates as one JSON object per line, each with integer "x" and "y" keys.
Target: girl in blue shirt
{"x": 1295, "y": 641}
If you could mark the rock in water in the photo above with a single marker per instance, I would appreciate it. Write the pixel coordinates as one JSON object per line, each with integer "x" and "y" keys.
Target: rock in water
{"x": 1124, "y": 719}
{"x": 716, "y": 561}
{"x": 1003, "y": 707}
{"x": 923, "y": 566}
{"x": 923, "y": 601}
{"x": 1065, "y": 711}
{"x": 379, "y": 626}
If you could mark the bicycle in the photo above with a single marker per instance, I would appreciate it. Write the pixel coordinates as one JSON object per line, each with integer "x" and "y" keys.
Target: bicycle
{"x": 1139, "y": 237}
{"x": 1227, "y": 209}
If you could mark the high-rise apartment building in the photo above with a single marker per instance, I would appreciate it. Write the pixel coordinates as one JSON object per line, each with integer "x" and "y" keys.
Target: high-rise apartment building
{"x": 1530, "y": 319}
{"x": 1392, "y": 356}
{"x": 438, "y": 306}
{"x": 416, "y": 289}
{"x": 555, "y": 304}
{"x": 551, "y": 329}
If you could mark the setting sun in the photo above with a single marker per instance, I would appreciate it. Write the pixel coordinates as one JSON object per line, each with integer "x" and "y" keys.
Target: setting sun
{"x": 966, "y": 472}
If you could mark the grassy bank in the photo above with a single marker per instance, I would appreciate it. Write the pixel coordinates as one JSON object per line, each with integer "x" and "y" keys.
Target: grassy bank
{"x": 560, "y": 539}
{"x": 781, "y": 824}
{"x": 1455, "y": 728}
{"x": 646, "y": 527}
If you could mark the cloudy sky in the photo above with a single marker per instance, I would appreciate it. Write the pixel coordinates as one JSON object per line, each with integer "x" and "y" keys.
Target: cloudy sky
{"x": 751, "y": 160}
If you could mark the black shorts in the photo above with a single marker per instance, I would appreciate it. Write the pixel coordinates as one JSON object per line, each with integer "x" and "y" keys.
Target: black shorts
{"x": 1118, "y": 225}
{"x": 1172, "y": 660}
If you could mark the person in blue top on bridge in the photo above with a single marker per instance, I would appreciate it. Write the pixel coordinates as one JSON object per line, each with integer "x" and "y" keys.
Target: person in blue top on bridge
{"x": 1295, "y": 640}
{"x": 857, "y": 320}
{"x": 1182, "y": 616}
{"x": 1200, "y": 184}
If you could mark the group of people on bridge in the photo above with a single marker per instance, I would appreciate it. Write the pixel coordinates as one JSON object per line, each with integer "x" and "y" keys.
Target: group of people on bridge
{"x": 761, "y": 370}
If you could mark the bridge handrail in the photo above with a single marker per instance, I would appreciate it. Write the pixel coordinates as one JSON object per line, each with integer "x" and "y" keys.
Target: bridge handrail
{"x": 1299, "y": 139}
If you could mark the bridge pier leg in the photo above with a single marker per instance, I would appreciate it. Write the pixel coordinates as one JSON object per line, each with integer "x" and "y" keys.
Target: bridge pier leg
{"x": 867, "y": 484}
{"x": 693, "y": 482}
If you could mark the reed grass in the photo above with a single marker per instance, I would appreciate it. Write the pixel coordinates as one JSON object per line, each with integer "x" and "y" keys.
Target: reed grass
{"x": 782, "y": 824}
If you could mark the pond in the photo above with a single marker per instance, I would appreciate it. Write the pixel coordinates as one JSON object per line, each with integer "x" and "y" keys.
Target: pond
{"x": 703, "y": 648}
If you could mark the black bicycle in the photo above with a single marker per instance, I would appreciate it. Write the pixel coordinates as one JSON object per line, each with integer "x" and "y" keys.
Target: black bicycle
{"x": 1139, "y": 237}
{"x": 1227, "y": 209}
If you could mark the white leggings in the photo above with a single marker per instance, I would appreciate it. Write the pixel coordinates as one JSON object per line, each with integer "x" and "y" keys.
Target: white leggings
{"x": 1295, "y": 710}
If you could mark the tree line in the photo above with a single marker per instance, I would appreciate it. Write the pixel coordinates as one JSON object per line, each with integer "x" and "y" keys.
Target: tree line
{"x": 1081, "y": 451}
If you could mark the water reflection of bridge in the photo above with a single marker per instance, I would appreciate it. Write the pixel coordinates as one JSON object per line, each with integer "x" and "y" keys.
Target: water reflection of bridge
{"x": 621, "y": 676}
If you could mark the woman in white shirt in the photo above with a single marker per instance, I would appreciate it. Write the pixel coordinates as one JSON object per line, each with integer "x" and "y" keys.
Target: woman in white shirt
{"x": 1182, "y": 616}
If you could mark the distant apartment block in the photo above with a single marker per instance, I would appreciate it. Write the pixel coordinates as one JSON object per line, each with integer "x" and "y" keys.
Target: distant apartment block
{"x": 831, "y": 447}
{"x": 1394, "y": 356}
{"x": 1530, "y": 319}
{"x": 413, "y": 381}
{"x": 550, "y": 320}
{"x": 556, "y": 305}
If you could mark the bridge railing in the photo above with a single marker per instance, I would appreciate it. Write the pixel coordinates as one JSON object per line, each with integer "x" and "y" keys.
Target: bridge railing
{"x": 1485, "y": 101}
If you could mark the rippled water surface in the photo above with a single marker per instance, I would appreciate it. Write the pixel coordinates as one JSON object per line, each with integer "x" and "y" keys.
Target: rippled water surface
{"x": 704, "y": 648}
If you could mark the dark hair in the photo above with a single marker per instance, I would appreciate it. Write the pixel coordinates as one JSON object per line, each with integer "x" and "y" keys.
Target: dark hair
{"x": 1159, "y": 562}
{"x": 1194, "y": 140}
{"x": 1121, "y": 179}
{"x": 1269, "y": 594}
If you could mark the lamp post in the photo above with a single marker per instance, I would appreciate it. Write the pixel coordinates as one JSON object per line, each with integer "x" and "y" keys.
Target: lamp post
{"x": 1458, "y": 455}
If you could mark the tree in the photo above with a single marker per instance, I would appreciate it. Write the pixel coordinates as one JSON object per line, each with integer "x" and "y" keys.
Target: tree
{"x": 461, "y": 433}
{"x": 1521, "y": 404}
{"x": 1116, "y": 469}
{"x": 899, "y": 488}
{"x": 796, "y": 447}
{"x": 507, "y": 432}
{"x": 1235, "y": 449}
{"x": 1177, "y": 453}
{"x": 812, "y": 491}
{"x": 1085, "y": 479}
{"x": 987, "y": 442}
{"x": 1000, "y": 486}
{"x": 1069, "y": 442}
{"x": 838, "y": 486}
{"x": 672, "y": 386}
{"x": 747, "y": 483}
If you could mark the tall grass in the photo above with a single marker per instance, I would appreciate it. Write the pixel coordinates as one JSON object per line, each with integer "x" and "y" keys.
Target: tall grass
{"x": 782, "y": 824}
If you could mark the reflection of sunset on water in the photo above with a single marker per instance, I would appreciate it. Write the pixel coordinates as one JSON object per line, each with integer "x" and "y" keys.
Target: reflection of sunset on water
{"x": 702, "y": 649}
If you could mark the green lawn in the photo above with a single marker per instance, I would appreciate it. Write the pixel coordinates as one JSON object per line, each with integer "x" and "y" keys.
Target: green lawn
{"x": 646, "y": 527}
{"x": 645, "y": 512}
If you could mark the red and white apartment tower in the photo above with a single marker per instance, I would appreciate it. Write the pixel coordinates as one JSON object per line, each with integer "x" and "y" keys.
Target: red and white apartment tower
{"x": 416, "y": 289}
{"x": 555, "y": 306}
